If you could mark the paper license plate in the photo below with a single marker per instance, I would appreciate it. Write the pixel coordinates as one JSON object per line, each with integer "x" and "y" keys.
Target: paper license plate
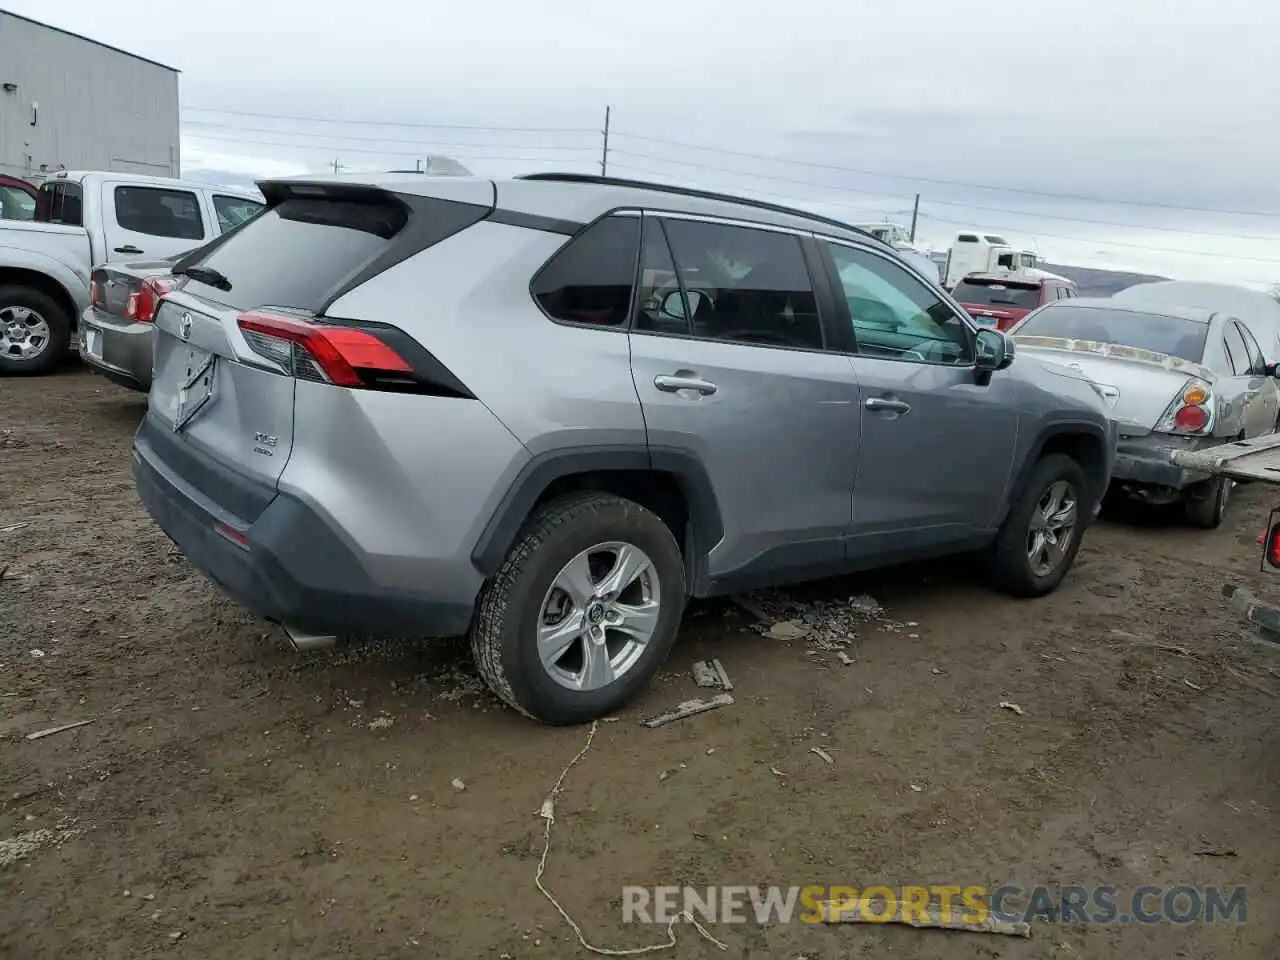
{"x": 93, "y": 343}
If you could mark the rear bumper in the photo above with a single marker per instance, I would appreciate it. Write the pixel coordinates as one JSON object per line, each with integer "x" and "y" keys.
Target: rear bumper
{"x": 287, "y": 565}
{"x": 123, "y": 350}
{"x": 1147, "y": 461}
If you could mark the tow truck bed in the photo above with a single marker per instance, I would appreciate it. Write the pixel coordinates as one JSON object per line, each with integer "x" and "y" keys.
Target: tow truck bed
{"x": 1256, "y": 460}
{"x": 1250, "y": 460}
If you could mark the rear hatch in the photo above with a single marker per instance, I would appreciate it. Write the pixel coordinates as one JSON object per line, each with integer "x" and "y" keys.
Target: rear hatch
{"x": 999, "y": 301}
{"x": 213, "y": 393}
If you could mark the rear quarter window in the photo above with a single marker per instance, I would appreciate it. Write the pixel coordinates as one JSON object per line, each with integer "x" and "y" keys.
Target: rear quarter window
{"x": 589, "y": 280}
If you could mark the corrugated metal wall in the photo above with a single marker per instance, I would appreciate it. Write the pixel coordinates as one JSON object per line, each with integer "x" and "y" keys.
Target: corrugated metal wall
{"x": 94, "y": 108}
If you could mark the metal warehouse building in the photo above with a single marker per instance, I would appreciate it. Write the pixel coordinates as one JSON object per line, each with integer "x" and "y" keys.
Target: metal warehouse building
{"x": 70, "y": 102}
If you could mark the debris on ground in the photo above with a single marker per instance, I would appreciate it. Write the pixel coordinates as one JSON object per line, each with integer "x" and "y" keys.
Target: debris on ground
{"x": 52, "y": 730}
{"x": 1193, "y": 686}
{"x": 844, "y": 658}
{"x": 15, "y": 527}
{"x": 776, "y": 772}
{"x": 688, "y": 708}
{"x": 789, "y": 630}
{"x": 821, "y": 753}
{"x": 548, "y": 815}
{"x": 916, "y": 788}
{"x": 868, "y": 911}
{"x": 711, "y": 673}
{"x": 37, "y": 654}
{"x": 381, "y": 723}
{"x": 457, "y": 784}
{"x": 1009, "y": 705}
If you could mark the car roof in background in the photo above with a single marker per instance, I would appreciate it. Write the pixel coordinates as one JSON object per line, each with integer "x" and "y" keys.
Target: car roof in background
{"x": 1215, "y": 296}
{"x": 1109, "y": 305}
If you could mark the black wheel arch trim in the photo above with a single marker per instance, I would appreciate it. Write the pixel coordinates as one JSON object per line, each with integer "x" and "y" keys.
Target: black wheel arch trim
{"x": 517, "y": 503}
{"x": 1062, "y": 428}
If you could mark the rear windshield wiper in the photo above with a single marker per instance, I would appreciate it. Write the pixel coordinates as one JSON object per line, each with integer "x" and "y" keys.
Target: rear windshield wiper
{"x": 212, "y": 277}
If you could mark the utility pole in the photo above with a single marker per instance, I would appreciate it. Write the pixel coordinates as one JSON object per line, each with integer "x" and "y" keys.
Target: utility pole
{"x": 337, "y": 166}
{"x": 604, "y": 152}
{"x": 418, "y": 165}
{"x": 915, "y": 215}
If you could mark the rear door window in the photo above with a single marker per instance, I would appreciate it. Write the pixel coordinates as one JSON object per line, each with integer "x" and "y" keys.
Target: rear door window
{"x": 1237, "y": 351}
{"x": 745, "y": 285}
{"x": 1257, "y": 363}
{"x": 589, "y": 279}
{"x": 157, "y": 212}
{"x": 16, "y": 204}
{"x": 60, "y": 202}
{"x": 233, "y": 211}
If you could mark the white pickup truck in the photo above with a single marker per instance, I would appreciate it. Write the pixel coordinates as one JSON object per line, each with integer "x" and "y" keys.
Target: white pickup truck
{"x": 84, "y": 219}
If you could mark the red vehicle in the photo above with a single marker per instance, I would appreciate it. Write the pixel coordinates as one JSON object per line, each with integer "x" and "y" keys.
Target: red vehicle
{"x": 17, "y": 199}
{"x": 1001, "y": 300}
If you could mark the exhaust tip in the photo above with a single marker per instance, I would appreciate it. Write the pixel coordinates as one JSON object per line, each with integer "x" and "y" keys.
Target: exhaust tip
{"x": 303, "y": 641}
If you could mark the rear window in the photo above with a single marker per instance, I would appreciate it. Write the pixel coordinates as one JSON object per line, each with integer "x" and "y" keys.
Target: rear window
{"x": 294, "y": 254}
{"x": 1023, "y": 295}
{"x": 1146, "y": 331}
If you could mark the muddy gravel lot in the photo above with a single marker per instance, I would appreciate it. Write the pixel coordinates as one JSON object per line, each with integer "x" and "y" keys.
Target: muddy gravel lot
{"x": 232, "y": 798}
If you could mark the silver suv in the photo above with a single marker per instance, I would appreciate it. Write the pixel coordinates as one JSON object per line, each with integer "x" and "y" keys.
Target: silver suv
{"x": 547, "y": 411}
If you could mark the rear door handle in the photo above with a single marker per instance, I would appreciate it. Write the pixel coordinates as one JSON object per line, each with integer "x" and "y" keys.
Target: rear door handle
{"x": 128, "y": 248}
{"x": 887, "y": 405}
{"x": 672, "y": 384}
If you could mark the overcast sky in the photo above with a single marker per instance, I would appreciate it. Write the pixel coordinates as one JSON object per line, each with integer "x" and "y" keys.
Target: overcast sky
{"x": 1106, "y": 123}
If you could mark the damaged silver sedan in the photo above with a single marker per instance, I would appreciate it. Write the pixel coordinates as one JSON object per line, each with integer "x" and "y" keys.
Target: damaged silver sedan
{"x": 1175, "y": 378}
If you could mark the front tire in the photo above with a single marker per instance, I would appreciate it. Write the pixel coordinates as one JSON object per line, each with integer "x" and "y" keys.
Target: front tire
{"x": 583, "y": 611}
{"x": 1040, "y": 536}
{"x": 35, "y": 332}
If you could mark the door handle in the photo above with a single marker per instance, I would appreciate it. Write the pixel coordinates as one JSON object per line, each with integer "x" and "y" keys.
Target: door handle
{"x": 672, "y": 384}
{"x": 887, "y": 405}
{"x": 127, "y": 248}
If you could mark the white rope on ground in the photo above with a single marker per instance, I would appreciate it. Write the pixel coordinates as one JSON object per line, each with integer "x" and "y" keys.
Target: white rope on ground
{"x": 548, "y": 814}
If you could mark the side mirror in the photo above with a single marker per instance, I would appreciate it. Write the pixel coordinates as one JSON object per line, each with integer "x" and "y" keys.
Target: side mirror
{"x": 673, "y": 304}
{"x": 993, "y": 350}
{"x": 1272, "y": 370}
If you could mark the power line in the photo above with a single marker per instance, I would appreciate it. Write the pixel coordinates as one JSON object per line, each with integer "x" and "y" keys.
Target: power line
{"x": 391, "y": 123}
{"x": 949, "y": 183}
{"x": 365, "y": 138}
{"x": 380, "y": 153}
{"x": 954, "y": 203}
{"x": 1037, "y": 232}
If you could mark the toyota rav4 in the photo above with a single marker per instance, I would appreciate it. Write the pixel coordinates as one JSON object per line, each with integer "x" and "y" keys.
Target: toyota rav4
{"x": 544, "y": 412}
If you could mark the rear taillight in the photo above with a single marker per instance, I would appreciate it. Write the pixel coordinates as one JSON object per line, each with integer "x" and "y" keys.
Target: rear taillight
{"x": 325, "y": 353}
{"x": 1191, "y": 410}
{"x": 144, "y": 303}
{"x": 1271, "y": 549}
{"x": 94, "y": 291}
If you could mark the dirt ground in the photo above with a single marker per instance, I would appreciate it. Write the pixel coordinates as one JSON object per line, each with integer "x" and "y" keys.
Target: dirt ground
{"x": 234, "y": 799}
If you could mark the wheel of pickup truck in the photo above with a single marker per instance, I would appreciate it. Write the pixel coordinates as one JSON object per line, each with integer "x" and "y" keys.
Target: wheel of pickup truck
{"x": 35, "y": 332}
{"x": 1207, "y": 506}
{"x": 1040, "y": 536}
{"x": 583, "y": 611}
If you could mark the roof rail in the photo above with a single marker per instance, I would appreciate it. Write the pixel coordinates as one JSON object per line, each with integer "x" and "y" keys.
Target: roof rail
{"x": 700, "y": 194}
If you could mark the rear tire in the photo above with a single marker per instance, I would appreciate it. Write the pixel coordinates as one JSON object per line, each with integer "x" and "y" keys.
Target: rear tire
{"x": 1013, "y": 570}
{"x": 514, "y": 633}
{"x": 1208, "y": 511}
{"x": 25, "y": 308}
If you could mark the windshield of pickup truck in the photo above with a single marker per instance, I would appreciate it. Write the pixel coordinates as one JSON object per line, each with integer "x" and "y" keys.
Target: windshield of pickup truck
{"x": 989, "y": 293}
{"x": 1172, "y": 336}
